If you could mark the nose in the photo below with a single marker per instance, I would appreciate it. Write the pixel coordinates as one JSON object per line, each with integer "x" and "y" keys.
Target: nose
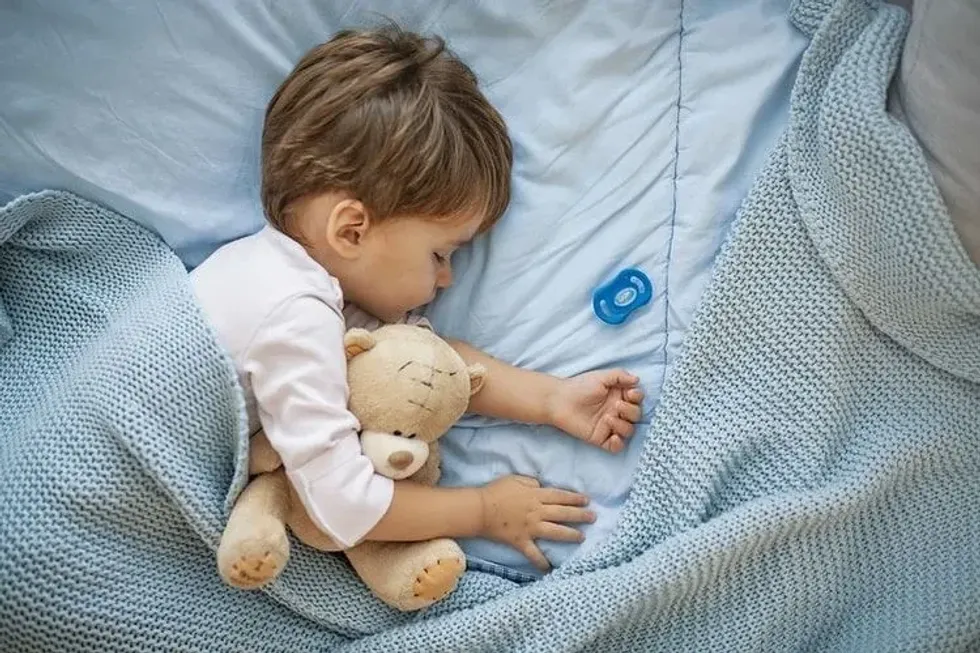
{"x": 400, "y": 459}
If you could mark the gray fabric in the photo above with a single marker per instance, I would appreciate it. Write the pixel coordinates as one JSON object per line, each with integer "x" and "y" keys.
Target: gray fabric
{"x": 937, "y": 94}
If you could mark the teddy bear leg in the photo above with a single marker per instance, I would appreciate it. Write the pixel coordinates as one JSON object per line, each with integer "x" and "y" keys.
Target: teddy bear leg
{"x": 254, "y": 547}
{"x": 262, "y": 458}
{"x": 304, "y": 529}
{"x": 409, "y": 575}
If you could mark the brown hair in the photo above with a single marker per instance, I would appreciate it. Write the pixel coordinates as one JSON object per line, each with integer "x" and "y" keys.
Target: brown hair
{"x": 391, "y": 117}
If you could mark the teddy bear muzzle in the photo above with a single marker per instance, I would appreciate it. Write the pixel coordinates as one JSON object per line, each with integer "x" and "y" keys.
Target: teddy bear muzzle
{"x": 400, "y": 459}
{"x": 394, "y": 456}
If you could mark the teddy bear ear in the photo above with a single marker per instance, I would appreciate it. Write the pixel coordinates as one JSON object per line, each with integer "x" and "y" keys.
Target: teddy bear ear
{"x": 478, "y": 376}
{"x": 358, "y": 341}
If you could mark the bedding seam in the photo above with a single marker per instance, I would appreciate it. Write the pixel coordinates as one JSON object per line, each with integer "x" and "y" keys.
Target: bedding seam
{"x": 673, "y": 210}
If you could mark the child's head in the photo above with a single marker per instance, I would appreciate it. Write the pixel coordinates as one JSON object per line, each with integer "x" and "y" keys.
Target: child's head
{"x": 381, "y": 156}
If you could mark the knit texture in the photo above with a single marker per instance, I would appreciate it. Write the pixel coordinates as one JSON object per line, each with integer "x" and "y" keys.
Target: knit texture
{"x": 810, "y": 481}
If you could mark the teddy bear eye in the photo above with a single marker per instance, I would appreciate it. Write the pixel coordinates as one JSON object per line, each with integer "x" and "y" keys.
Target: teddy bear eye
{"x": 411, "y": 435}
{"x": 396, "y": 432}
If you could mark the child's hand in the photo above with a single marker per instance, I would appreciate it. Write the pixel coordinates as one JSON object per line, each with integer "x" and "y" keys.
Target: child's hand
{"x": 598, "y": 407}
{"x": 517, "y": 510}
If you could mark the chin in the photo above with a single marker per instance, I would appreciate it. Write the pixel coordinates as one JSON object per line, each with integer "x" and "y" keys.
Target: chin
{"x": 394, "y": 318}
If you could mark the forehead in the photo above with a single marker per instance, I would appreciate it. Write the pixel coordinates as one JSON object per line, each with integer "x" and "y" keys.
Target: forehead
{"x": 454, "y": 230}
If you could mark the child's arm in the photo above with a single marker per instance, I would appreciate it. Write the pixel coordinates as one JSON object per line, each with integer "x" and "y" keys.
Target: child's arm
{"x": 514, "y": 510}
{"x": 297, "y": 370}
{"x": 598, "y": 407}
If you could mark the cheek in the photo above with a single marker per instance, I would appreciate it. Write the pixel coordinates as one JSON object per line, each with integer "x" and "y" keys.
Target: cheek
{"x": 417, "y": 280}
{"x": 428, "y": 270}
{"x": 431, "y": 278}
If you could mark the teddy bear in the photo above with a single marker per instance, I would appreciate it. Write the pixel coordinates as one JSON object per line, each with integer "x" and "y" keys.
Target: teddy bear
{"x": 408, "y": 386}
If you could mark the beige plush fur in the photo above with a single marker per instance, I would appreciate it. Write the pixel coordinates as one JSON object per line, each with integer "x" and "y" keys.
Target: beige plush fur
{"x": 404, "y": 381}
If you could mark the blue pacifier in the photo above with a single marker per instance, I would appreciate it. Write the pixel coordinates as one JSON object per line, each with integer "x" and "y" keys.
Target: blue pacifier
{"x": 615, "y": 301}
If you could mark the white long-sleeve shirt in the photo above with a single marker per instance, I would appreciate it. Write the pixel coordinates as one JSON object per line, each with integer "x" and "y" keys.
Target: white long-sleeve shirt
{"x": 281, "y": 317}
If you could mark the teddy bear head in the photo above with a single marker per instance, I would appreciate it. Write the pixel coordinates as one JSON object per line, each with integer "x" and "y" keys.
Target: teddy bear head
{"x": 407, "y": 386}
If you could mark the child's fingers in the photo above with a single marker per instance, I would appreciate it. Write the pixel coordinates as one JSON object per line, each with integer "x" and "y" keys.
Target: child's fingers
{"x": 602, "y": 432}
{"x": 627, "y": 411}
{"x": 535, "y": 555}
{"x": 529, "y": 481}
{"x": 558, "y": 533}
{"x": 567, "y": 514}
{"x": 634, "y": 395}
{"x": 618, "y": 426}
{"x": 558, "y": 497}
{"x": 614, "y": 444}
{"x": 619, "y": 379}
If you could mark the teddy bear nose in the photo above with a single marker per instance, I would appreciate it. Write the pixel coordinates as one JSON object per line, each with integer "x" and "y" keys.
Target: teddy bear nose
{"x": 400, "y": 459}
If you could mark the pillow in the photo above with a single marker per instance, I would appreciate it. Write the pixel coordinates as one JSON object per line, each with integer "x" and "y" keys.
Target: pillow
{"x": 938, "y": 96}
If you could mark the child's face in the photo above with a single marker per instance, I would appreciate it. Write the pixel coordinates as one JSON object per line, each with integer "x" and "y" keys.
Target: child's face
{"x": 404, "y": 261}
{"x": 387, "y": 268}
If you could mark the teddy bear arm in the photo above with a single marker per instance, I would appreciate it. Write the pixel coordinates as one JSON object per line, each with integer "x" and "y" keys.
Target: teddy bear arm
{"x": 303, "y": 527}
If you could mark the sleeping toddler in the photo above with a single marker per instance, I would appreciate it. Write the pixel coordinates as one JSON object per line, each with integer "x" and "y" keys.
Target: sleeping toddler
{"x": 381, "y": 157}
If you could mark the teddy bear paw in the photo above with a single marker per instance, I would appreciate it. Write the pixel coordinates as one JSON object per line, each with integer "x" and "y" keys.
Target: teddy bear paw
{"x": 250, "y": 564}
{"x": 249, "y": 572}
{"x": 439, "y": 579}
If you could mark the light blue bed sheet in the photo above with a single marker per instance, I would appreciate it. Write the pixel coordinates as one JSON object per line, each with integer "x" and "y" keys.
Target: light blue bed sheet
{"x": 637, "y": 126}
{"x": 639, "y": 129}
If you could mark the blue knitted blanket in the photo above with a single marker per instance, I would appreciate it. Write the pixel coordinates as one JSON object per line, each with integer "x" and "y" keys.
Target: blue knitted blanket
{"x": 810, "y": 482}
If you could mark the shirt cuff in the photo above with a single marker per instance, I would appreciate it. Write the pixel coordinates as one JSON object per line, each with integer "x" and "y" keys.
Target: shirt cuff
{"x": 342, "y": 494}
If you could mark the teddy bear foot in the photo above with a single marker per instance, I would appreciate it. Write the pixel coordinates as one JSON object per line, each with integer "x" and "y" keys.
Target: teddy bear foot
{"x": 438, "y": 580}
{"x": 256, "y": 561}
{"x": 409, "y": 576}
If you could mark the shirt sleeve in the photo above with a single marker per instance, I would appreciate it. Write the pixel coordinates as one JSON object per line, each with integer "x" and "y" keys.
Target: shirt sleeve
{"x": 298, "y": 372}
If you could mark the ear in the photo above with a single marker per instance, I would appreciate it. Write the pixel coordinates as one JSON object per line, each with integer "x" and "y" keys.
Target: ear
{"x": 358, "y": 341}
{"x": 346, "y": 227}
{"x": 478, "y": 376}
